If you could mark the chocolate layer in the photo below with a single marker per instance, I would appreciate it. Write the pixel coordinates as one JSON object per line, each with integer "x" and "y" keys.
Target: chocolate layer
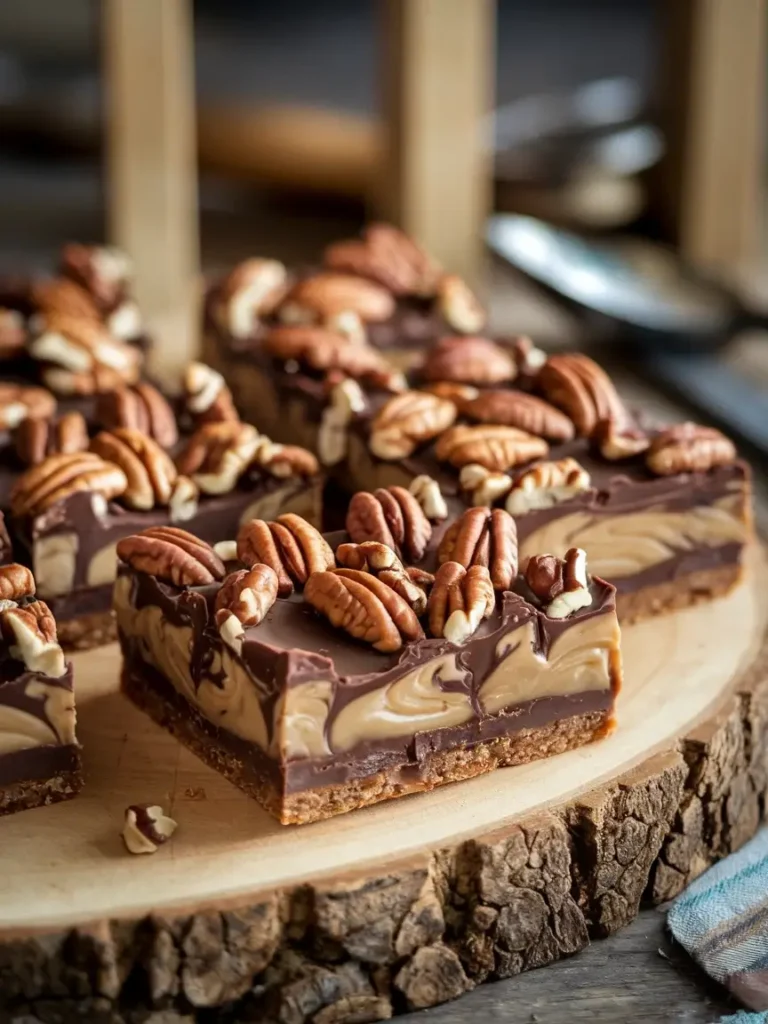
{"x": 38, "y": 763}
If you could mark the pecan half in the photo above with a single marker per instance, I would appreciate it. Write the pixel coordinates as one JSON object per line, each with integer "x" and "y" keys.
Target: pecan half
{"x": 547, "y": 484}
{"x": 580, "y": 387}
{"x": 364, "y": 607}
{"x": 371, "y": 556}
{"x": 389, "y": 257}
{"x": 408, "y": 420}
{"x": 173, "y": 555}
{"x": 459, "y": 306}
{"x": 391, "y": 516}
{"x": 454, "y": 392}
{"x": 16, "y": 582}
{"x": 218, "y": 454}
{"x": 290, "y": 546}
{"x": 562, "y": 585}
{"x": 140, "y": 407}
{"x": 616, "y": 441}
{"x": 19, "y": 402}
{"x": 326, "y": 294}
{"x": 689, "y": 448}
{"x": 483, "y": 536}
{"x": 521, "y": 410}
{"x": 105, "y": 272}
{"x": 148, "y": 468}
{"x": 59, "y": 296}
{"x": 322, "y": 350}
{"x": 251, "y": 290}
{"x": 470, "y": 360}
{"x": 286, "y": 460}
{"x": 244, "y": 599}
{"x": 498, "y": 448}
{"x": 13, "y": 334}
{"x": 426, "y": 491}
{"x": 207, "y": 397}
{"x": 62, "y": 475}
{"x": 460, "y": 599}
{"x": 31, "y": 631}
{"x": 34, "y": 440}
{"x": 84, "y": 357}
{"x": 482, "y": 486}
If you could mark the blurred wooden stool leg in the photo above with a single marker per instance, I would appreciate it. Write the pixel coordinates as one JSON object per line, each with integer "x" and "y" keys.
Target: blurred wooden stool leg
{"x": 152, "y": 166}
{"x": 438, "y": 88}
{"x": 713, "y": 106}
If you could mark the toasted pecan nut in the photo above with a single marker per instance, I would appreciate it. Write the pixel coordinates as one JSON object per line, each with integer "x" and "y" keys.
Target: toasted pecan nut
{"x": 31, "y": 631}
{"x": 562, "y": 585}
{"x": 34, "y": 440}
{"x": 288, "y": 460}
{"x": 173, "y": 555}
{"x": 483, "y": 536}
{"x": 521, "y": 410}
{"x": 140, "y": 407}
{"x": 460, "y": 600}
{"x": 616, "y": 441}
{"x": 290, "y": 546}
{"x": 251, "y": 290}
{"x": 471, "y": 360}
{"x": 426, "y": 490}
{"x": 407, "y": 421}
{"x": 498, "y": 448}
{"x": 544, "y": 576}
{"x": 367, "y": 556}
{"x": 389, "y": 257}
{"x": 391, "y": 516}
{"x": 207, "y": 397}
{"x": 218, "y": 454}
{"x": 59, "y": 476}
{"x": 84, "y": 357}
{"x": 13, "y": 334}
{"x": 452, "y": 391}
{"x": 323, "y": 350}
{"x": 580, "y": 387}
{"x": 16, "y": 582}
{"x": 148, "y": 468}
{"x": 60, "y": 296}
{"x": 483, "y": 487}
{"x": 184, "y": 500}
{"x": 19, "y": 402}
{"x": 105, "y": 272}
{"x": 400, "y": 611}
{"x": 528, "y": 358}
{"x": 247, "y": 594}
{"x": 689, "y": 448}
{"x": 547, "y": 484}
{"x": 459, "y": 306}
{"x": 327, "y": 294}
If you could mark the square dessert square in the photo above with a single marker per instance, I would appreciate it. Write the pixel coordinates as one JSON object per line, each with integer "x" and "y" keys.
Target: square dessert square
{"x": 39, "y": 753}
{"x": 321, "y": 676}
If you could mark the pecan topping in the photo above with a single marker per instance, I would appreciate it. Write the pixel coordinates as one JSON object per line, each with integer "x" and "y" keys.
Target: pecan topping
{"x": 482, "y": 486}
{"x": 363, "y": 606}
{"x": 141, "y": 407}
{"x": 84, "y": 357}
{"x": 616, "y": 441}
{"x": 689, "y": 448}
{"x": 184, "y": 500}
{"x": 173, "y": 555}
{"x": 287, "y": 460}
{"x": 411, "y": 584}
{"x": 389, "y": 257}
{"x": 562, "y": 585}
{"x": 103, "y": 271}
{"x": 31, "y": 631}
{"x": 19, "y": 402}
{"x": 528, "y": 359}
{"x": 16, "y": 582}
{"x": 581, "y": 388}
{"x": 149, "y": 469}
{"x": 251, "y": 290}
{"x": 326, "y": 294}
{"x": 483, "y": 536}
{"x": 207, "y": 397}
{"x": 469, "y": 361}
{"x": 290, "y": 546}
{"x": 498, "y": 448}
{"x": 345, "y": 401}
{"x": 521, "y": 410}
{"x": 61, "y": 297}
{"x": 244, "y": 599}
{"x": 408, "y": 420}
{"x": 323, "y": 350}
{"x": 459, "y": 305}
{"x": 427, "y": 492}
{"x": 391, "y": 516}
{"x": 61, "y": 475}
{"x": 454, "y": 392}
{"x": 218, "y": 454}
{"x": 13, "y": 335}
{"x": 34, "y": 440}
{"x": 547, "y": 484}
{"x": 460, "y": 600}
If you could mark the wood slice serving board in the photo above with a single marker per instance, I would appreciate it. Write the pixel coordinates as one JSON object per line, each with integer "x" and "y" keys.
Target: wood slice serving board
{"x": 402, "y": 905}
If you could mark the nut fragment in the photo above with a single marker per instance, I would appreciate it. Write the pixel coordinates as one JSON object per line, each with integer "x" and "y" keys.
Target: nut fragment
{"x": 389, "y": 257}
{"x": 59, "y": 476}
{"x": 84, "y": 357}
{"x": 323, "y": 350}
{"x": 346, "y": 400}
{"x": 140, "y": 407}
{"x": 453, "y": 391}
{"x": 13, "y": 335}
{"x": 615, "y": 441}
{"x": 19, "y": 402}
{"x": 528, "y": 358}
{"x": 105, "y": 272}
{"x": 483, "y": 536}
{"x": 290, "y": 546}
{"x": 250, "y": 291}
{"x": 498, "y": 448}
{"x": 469, "y": 360}
{"x": 427, "y": 492}
{"x": 148, "y": 468}
{"x": 408, "y": 420}
{"x": 521, "y": 410}
{"x": 459, "y": 305}
{"x": 172, "y": 554}
{"x": 326, "y": 294}
{"x": 411, "y": 585}
{"x": 218, "y": 454}
{"x": 34, "y": 439}
{"x": 60, "y": 296}
{"x": 244, "y": 599}
{"x": 576, "y": 593}
{"x": 146, "y": 828}
{"x": 689, "y": 448}
{"x": 580, "y": 387}
{"x": 483, "y": 487}
{"x": 547, "y": 484}
{"x": 184, "y": 500}
{"x": 460, "y": 599}
{"x": 125, "y": 322}
{"x": 391, "y": 516}
{"x": 16, "y": 582}
{"x": 207, "y": 397}
{"x": 33, "y": 641}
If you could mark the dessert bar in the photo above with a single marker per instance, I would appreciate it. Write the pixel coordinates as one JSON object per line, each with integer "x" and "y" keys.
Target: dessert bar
{"x": 322, "y": 675}
{"x": 39, "y": 754}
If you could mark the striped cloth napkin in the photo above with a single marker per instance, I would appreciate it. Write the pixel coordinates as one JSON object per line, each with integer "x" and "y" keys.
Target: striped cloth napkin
{"x": 722, "y": 921}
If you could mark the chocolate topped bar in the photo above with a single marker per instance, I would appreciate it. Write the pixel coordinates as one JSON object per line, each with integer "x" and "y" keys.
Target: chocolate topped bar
{"x": 39, "y": 754}
{"x": 321, "y": 675}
